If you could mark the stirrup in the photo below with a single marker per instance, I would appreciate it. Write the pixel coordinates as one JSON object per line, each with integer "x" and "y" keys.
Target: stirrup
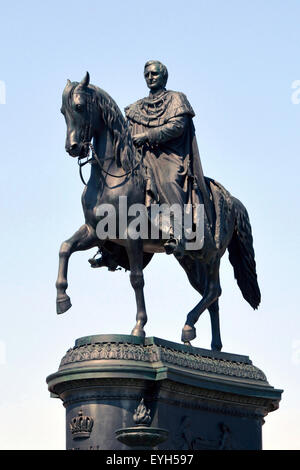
{"x": 170, "y": 246}
{"x": 174, "y": 246}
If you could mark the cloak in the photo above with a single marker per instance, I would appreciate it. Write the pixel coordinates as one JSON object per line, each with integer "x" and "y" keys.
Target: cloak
{"x": 171, "y": 155}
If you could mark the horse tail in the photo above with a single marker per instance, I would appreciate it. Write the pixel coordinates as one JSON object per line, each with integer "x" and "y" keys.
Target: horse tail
{"x": 241, "y": 256}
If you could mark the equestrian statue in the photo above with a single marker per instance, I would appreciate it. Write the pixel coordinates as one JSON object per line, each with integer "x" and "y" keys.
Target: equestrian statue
{"x": 150, "y": 158}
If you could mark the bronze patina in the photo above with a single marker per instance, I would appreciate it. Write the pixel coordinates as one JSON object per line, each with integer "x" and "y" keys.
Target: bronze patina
{"x": 152, "y": 156}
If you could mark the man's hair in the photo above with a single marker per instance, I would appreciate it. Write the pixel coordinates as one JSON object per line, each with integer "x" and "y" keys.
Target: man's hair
{"x": 162, "y": 68}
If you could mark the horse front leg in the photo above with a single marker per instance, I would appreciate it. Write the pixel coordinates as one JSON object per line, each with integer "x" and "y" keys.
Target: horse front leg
{"x": 211, "y": 294}
{"x": 83, "y": 239}
{"x": 135, "y": 255}
{"x": 216, "y": 343}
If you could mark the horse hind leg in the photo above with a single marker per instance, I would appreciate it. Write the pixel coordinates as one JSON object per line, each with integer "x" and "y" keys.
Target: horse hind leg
{"x": 83, "y": 239}
{"x": 196, "y": 273}
{"x": 210, "y": 284}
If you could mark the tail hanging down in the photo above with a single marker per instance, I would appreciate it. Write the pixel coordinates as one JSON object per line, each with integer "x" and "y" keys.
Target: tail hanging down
{"x": 241, "y": 256}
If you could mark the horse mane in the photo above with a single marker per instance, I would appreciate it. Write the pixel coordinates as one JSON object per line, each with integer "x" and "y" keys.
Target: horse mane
{"x": 124, "y": 150}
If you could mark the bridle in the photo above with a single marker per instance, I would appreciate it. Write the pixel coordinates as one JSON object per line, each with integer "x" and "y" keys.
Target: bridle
{"x": 87, "y": 143}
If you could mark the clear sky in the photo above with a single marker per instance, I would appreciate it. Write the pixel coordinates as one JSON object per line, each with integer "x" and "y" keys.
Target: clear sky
{"x": 236, "y": 61}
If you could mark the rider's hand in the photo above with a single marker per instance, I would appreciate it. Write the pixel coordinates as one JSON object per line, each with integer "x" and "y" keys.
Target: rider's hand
{"x": 139, "y": 139}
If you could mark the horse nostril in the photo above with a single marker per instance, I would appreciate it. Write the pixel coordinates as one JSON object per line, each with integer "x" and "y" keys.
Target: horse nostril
{"x": 71, "y": 148}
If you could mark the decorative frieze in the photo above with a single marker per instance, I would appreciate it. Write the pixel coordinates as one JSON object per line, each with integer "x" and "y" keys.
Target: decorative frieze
{"x": 154, "y": 353}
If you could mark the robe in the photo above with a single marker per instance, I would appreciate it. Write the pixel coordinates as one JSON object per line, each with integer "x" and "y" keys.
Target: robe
{"x": 171, "y": 157}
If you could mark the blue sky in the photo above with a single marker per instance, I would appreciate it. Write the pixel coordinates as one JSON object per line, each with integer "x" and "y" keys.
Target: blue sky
{"x": 236, "y": 61}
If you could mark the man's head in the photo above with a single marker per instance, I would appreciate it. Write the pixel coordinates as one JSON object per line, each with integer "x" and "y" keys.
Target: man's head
{"x": 156, "y": 75}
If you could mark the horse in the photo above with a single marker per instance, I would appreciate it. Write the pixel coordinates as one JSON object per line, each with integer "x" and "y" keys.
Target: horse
{"x": 91, "y": 115}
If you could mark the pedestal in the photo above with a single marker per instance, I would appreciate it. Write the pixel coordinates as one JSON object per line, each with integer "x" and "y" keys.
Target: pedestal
{"x": 199, "y": 398}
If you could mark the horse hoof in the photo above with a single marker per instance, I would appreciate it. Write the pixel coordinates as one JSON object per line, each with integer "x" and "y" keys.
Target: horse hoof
{"x": 138, "y": 332}
{"x": 63, "y": 305}
{"x": 216, "y": 347}
{"x": 188, "y": 333}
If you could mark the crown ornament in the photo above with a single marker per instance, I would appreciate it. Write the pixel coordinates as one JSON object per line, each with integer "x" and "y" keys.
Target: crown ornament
{"x": 81, "y": 426}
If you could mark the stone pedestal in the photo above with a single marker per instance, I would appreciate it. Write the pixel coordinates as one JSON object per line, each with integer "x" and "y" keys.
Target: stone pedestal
{"x": 204, "y": 399}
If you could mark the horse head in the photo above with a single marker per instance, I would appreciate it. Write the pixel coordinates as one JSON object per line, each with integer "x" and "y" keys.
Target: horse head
{"x": 82, "y": 122}
{"x": 88, "y": 111}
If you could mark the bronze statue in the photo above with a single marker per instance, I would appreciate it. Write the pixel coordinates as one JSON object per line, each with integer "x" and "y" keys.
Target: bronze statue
{"x": 118, "y": 169}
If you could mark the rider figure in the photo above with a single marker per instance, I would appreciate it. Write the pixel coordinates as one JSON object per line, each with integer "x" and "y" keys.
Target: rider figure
{"x": 161, "y": 126}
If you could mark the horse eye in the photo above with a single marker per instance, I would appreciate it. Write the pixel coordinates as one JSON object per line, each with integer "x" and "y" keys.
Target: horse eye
{"x": 79, "y": 107}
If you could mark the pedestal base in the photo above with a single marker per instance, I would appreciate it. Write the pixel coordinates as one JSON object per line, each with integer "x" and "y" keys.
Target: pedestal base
{"x": 205, "y": 399}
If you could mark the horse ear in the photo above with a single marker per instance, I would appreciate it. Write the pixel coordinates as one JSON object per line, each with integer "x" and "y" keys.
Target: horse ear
{"x": 68, "y": 82}
{"x": 85, "y": 81}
